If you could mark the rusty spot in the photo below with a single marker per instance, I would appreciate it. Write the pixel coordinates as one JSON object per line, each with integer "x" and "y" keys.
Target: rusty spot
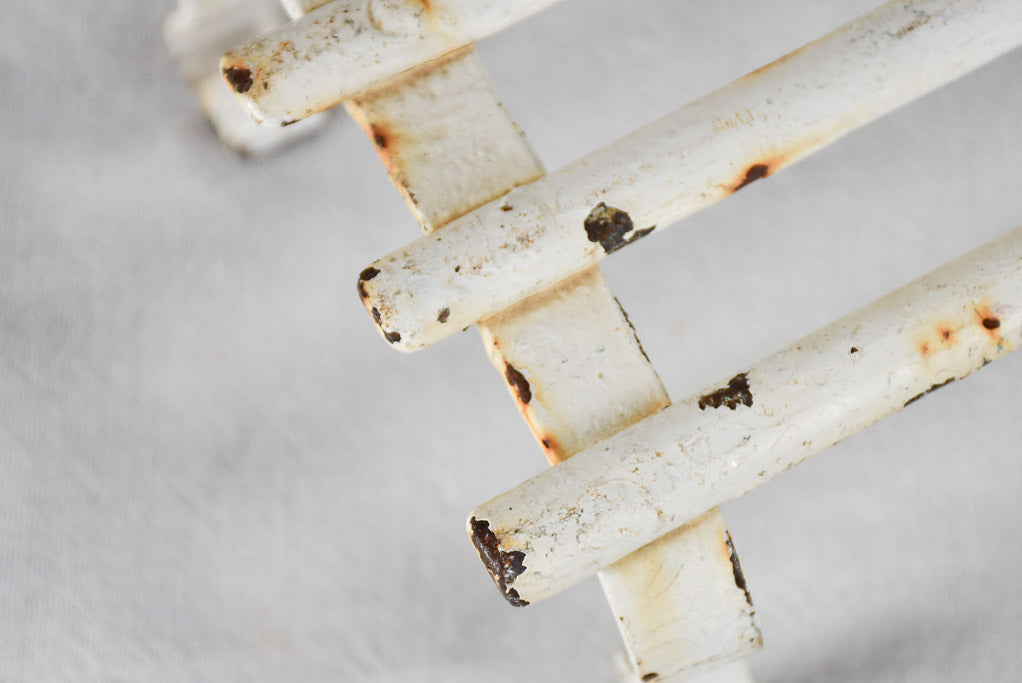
{"x": 379, "y": 135}
{"x": 924, "y": 349}
{"x": 288, "y": 122}
{"x": 457, "y": 269}
{"x": 503, "y": 566}
{"x": 240, "y": 78}
{"x": 736, "y": 567}
{"x": 442, "y": 315}
{"x": 651, "y": 676}
{"x": 507, "y": 207}
{"x": 518, "y": 382}
{"x": 363, "y": 277}
{"x": 547, "y": 443}
{"x": 854, "y": 349}
{"x": 752, "y": 174}
{"x": 991, "y": 323}
{"x": 736, "y": 391}
{"x": 947, "y": 335}
{"x": 609, "y": 225}
{"x": 932, "y": 388}
{"x": 392, "y": 337}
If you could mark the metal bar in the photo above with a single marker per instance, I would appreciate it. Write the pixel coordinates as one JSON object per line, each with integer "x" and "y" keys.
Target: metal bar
{"x": 349, "y": 46}
{"x": 616, "y": 496}
{"x": 196, "y": 32}
{"x": 570, "y": 358}
{"x": 542, "y": 233}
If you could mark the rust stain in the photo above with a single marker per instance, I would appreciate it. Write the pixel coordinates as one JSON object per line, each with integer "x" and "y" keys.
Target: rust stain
{"x": 736, "y": 392}
{"x": 240, "y": 78}
{"x": 752, "y": 174}
{"x": 382, "y": 138}
{"x": 443, "y": 314}
{"x": 989, "y": 321}
{"x": 609, "y": 226}
{"x": 504, "y": 566}
{"x": 854, "y": 349}
{"x": 946, "y": 334}
{"x": 921, "y": 19}
{"x": 363, "y": 277}
{"x": 651, "y": 676}
{"x": 516, "y": 380}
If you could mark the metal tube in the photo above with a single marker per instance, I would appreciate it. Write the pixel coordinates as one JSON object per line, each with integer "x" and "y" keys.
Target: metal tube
{"x": 616, "y": 496}
{"x": 543, "y": 232}
{"x": 348, "y": 46}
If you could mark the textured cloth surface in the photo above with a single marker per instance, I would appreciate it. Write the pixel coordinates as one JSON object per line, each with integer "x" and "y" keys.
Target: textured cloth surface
{"x": 213, "y": 469}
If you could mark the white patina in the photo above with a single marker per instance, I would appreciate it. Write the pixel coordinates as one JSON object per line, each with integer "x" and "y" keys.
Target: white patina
{"x": 537, "y": 234}
{"x": 349, "y": 46}
{"x": 618, "y": 495}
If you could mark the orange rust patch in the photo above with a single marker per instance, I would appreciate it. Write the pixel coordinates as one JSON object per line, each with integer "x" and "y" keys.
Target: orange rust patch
{"x": 946, "y": 334}
{"x": 989, "y": 321}
{"x": 924, "y": 349}
{"x": 752, "y": 174}
{"x": 381, "y": 137}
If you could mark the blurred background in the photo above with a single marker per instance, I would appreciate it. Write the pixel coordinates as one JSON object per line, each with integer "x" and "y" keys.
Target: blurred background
{"x": 213, "y": 469}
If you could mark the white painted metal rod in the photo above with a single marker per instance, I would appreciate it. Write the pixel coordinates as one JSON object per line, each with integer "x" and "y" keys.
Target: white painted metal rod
{"x": 614, "y": 497}
{"x": 348, "y": 46}
{"x": 543, "y": 232}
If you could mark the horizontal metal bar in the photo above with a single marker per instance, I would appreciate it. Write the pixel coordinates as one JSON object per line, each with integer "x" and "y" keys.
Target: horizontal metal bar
{"x": 542, "y": 233}
{"x": 588, "y": 512}
{"x": 348, "y": 46}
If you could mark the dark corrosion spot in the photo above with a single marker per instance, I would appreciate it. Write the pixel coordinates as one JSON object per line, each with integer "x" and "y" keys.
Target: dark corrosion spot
{"x": 288, "y": 122}
{"x": 240, "y": 79}
{"x": 367, "y": 274}
{"x": 754, "y": 173}
{"x": 376, "y": 315}
{"x": 507, "y": 207}
{"x": 379, "y": 135}
{"x": 547, "y": 443}
{"x": 518, "y": 383}
{"x": 504, "y": 567}
{"x": 392, "y": 337}
{"x": 736, "y": 568}
{"x": 651, "y": 676}
{"x": 854, "y": 349}
{"x": 932, "y": 388}
{"x": 991, "y": 323}
{"x": 457, "y": 269}
{"x": 736, "y": 391}
{"x": 442, "y": 315}
{"x": 608, "y": 226}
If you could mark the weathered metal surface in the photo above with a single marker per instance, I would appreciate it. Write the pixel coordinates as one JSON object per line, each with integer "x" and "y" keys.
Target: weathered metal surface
{"x": 196, "y": 32}
{"x": 570, "y": 358}
{"x": 618, "y": 495}
{"x": 543, "y": 232}
{"x": 445, "y": 139}
{"x": 349, "y": 46}
{"x": 577, "y": 371}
